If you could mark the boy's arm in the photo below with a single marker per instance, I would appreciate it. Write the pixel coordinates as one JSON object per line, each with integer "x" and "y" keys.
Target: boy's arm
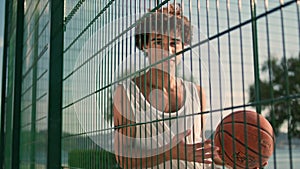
{"x": 200, "y": 152}
{"x": 203, "y": 107}
{"x": 121, "y": 103}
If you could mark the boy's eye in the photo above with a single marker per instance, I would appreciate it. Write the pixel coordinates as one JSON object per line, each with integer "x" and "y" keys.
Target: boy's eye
{"x": 157, "y": 43}
{"x": 175, "y": 43}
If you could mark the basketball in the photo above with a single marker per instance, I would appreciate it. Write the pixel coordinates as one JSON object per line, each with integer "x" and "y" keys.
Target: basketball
{"x": 246, "y": 139}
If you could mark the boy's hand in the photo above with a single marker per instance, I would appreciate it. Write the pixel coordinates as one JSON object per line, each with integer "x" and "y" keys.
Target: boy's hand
{"x": 198, "y": 152}
{"x": 218, "y": 160}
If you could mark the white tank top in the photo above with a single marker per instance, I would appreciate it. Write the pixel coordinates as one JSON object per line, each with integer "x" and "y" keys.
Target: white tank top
{"x": 160, "y": 127}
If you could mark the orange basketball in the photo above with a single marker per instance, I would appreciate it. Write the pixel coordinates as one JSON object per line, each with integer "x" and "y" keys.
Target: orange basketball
{"x": 245, "y": 138}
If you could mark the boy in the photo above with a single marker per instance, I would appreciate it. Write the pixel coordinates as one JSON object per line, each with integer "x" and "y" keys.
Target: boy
{"x": 154, "y": 112}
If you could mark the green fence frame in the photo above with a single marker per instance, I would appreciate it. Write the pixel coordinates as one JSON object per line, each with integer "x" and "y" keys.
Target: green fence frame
{"x": 12, "y": 81}
{"x": 55, "y": 84}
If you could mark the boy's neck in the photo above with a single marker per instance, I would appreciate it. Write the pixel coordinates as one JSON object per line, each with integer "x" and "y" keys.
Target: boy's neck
{"x": 160, "y": 79}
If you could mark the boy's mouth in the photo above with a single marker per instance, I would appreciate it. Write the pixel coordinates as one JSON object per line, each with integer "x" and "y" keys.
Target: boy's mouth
{"x": 169, "y": 62}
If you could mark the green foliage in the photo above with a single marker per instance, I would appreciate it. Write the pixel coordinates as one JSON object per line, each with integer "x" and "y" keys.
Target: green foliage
{"x": 283, "y": 82}
{"x": 92, "y": 159}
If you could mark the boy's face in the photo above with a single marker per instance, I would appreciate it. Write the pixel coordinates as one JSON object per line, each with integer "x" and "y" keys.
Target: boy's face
{"x": 161, "y": 47}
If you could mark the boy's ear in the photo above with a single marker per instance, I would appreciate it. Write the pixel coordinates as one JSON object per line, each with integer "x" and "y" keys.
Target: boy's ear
{"x": 145, "y": 47}
{"x": 145, "y": 50}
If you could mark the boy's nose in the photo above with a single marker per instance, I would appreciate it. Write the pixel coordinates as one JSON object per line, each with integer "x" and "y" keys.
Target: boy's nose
{"x": 168, "y": 48}
{"x": 167, "y": 51}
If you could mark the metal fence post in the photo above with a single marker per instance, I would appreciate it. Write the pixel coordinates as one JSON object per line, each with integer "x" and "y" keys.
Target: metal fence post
{"x": 3, "y": 90}
{"x": 17, "y": 85}
{"x": 255, "y": 56}
{"x": 55, "y": 84}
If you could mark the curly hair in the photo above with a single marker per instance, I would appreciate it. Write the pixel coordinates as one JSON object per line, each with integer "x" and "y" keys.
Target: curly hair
{"x": 163, "y": 21}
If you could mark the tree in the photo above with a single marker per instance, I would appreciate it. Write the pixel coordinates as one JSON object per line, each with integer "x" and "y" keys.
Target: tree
{"x": 280, "y": 93}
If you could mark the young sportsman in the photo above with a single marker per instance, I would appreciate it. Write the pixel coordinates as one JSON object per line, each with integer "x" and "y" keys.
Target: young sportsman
{"x": 157, "y": 102}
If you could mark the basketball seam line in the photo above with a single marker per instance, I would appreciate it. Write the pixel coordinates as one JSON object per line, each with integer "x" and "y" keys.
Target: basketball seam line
{"x": 243, "y": 144}
{"x": 239, "y": 122}
{"x": 234, "y": 163}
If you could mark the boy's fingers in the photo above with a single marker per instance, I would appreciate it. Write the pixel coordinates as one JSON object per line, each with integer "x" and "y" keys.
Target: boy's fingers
{"x": 207, "y": 141}
{"x": 218, "y": 161}
{"x": 196, "y": 146}
{"x": 207, "y": 161}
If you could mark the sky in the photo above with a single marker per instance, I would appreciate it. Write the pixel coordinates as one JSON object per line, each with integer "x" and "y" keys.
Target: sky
{"x": 2, "y": 8}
